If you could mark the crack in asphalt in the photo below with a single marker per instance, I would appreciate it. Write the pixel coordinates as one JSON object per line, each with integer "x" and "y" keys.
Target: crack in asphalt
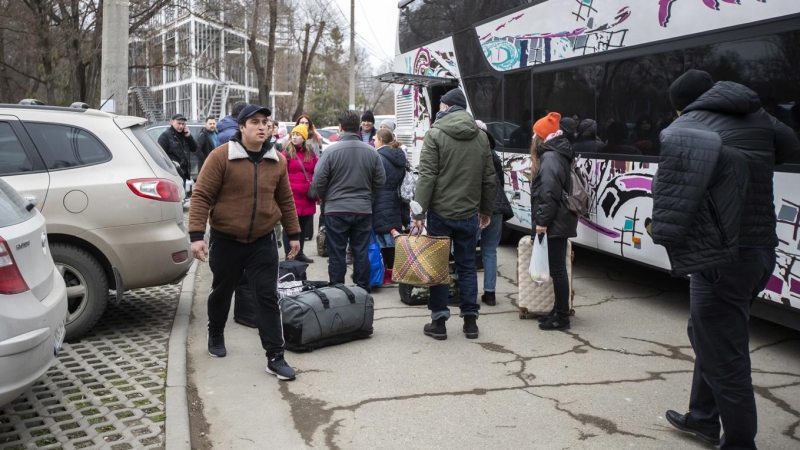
{"x": 783, "y": 406}
{"x": 675, "y": 351}
{"x": 782, "y": 341}
{"x": 607, "y": 425}
{"x": 309, "y": 414}
{"x": 416, "y": 316}
{"x": 613, "y": 297}
{"x": 330, "y": 434}
{"x": 513, "y": 281}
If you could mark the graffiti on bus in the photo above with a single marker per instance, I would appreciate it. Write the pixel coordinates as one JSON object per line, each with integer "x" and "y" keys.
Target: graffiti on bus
{"x": 562, "y": 29}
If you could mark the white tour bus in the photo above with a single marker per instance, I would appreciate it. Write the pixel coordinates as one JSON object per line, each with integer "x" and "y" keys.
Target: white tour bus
{"x": 611, "y": 61}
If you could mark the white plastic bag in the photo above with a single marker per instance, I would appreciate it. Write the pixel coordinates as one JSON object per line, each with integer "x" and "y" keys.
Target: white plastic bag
{"x": 540, "y": 265}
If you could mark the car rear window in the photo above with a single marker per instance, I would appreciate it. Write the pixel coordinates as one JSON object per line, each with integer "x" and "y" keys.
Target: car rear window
{"x": 12, "y": 206}
{"x": 156, "y": 152}
{"x": 64, "y": 146}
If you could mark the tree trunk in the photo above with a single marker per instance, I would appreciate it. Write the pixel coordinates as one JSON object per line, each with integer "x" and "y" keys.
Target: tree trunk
{"x": 95, "y": 61}
{"x": 5, "y": 89}
{"x": 305, "y": 66}
{"x": 264, "y": 91}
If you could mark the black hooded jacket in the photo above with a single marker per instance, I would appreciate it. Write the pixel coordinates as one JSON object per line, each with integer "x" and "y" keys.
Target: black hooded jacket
{"x": 388, "y": 212}
{"x": 734, "y": 112}
{"x": 547, "y": 190}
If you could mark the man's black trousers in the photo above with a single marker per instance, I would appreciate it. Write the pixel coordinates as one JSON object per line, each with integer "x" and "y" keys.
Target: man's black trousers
{"x": 228, "y": 260}
{"x": 722, "y": 388}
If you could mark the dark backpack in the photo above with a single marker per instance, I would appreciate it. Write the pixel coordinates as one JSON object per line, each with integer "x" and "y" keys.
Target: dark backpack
{"x": 576, "y": 198}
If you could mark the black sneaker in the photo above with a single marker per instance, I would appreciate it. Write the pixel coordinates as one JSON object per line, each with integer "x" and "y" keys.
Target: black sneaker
{"x": 216, "y": 345}
{"x": 303, "y": 259}
{"x": 681, "y": 422}
{"x": 436, "y": 329}
{"x": 470, "y": 327}
{"x": 554, "y": 323}
{"x": 489, "y": 298}
{"x": 280, "y": 368}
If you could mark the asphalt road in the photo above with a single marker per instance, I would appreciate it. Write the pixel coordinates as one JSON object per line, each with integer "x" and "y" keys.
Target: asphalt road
{"x": 604, "y": 384}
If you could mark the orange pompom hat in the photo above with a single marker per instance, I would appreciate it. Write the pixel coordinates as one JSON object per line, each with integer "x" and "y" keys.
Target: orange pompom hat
{"x": 547, "y": 125}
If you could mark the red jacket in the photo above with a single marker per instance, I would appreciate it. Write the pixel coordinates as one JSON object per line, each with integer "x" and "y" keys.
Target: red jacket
{"x": 305, "y": 206}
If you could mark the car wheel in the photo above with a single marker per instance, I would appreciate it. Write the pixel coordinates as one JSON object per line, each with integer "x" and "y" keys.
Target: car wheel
{"x": 87, "y": 287}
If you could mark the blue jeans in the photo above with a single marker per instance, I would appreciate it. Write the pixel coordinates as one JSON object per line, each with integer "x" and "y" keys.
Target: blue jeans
{"x": 490, "y": 239}
{"x": 356, "y": 228}
{"x": 462, "y": 234}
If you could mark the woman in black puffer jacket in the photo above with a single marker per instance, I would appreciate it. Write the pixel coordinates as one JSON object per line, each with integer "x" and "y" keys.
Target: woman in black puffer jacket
{"x": 551, "y": 159}
{"x": 388, "y": 211}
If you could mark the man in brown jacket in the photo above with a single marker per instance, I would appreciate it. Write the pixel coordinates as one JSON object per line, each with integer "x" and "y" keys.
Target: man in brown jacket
{"x": 243, "y": 191}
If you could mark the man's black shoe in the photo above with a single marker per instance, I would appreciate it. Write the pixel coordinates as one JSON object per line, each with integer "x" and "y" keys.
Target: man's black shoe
{"x": 489, "y": 298}
{"x": 554, "y": 323}
{"x": 278, "y": 366}
{"x": 470, "y": 327}
{"x": 303, "y": 259}
{"x": 216, "y": 345}
{"x": 681, "y": 422}
{"x": 436, "y": 329}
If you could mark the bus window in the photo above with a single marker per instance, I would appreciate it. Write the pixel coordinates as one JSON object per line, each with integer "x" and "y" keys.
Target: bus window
{"x": 485, "y": 95}
{"x": 768, "y": 65}
{"x": 518, "y": 110}
{"x": 571, "y": 93}
{"x": 428, "y": 20}
{"x": 633, "y": 102}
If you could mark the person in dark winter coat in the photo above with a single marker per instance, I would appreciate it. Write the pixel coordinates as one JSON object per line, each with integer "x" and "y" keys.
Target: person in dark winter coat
{"x": 206, "y": 142}
{"x": 587, "y": 140}
{"x": 713, "y": 211}
{"x": 490, "y": 237}
{"x": 388, "y": 211}
{"x": 551, "y": 160}
{"x": 177, "y": 142}
{"x": 229, "y": 125}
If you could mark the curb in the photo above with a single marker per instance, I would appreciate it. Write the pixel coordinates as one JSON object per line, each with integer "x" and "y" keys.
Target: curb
{"x": 178, "y": 435}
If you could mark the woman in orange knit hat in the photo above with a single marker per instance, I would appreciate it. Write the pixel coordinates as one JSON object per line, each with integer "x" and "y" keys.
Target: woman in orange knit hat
{"x": 551, "y": 160}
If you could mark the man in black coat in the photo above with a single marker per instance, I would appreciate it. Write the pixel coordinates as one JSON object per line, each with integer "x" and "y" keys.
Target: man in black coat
{"x": 177, "y": 141}
{"x": 206, "y": 142}
{"x": 713, "y": 211}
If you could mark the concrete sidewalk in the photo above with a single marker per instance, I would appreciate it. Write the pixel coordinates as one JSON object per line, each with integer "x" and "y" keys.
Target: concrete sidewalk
{"x": 604, "y": 384}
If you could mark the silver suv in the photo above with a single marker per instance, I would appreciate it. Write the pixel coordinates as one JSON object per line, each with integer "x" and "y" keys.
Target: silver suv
{"x": 111, "y": 197}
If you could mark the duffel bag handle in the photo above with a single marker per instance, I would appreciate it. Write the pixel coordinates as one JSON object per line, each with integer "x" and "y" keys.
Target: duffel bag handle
{"x": 350, "y": 295}
{"x": 325, "y": 302}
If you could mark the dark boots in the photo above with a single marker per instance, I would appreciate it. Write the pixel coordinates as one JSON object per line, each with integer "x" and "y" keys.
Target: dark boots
{"x": 436, "y": 329}
{"x": 471, "y": 327}
{"x": 489, "y": 298}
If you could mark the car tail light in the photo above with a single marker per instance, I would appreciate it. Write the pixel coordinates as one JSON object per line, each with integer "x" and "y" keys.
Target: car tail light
{"x": 11, "y": 281}
{"x": 179, "y": 257}
{"x": 156, "y": 189}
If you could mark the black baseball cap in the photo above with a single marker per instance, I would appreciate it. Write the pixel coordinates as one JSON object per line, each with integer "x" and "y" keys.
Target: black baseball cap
{"x": 250, "y": 110}
{"x": 179, "y": 116}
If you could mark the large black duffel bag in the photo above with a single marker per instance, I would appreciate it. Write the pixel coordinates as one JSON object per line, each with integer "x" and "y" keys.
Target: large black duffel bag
{"x": 244, "y": 305}
{"x": 326, "y": 316}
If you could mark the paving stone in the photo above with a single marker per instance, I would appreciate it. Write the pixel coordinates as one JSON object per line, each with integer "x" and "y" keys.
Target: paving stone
{"x": 105, "y": 390}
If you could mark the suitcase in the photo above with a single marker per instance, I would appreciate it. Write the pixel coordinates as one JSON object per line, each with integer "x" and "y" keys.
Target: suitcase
{"x": 244, "y": 308}
{"x": 418, "y": 295}
{"x": 326, "y": 316}
{"x": 538, "y": 299}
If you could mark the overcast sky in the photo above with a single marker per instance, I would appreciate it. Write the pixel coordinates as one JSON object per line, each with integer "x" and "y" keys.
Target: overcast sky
{"x": 376, "y": 26}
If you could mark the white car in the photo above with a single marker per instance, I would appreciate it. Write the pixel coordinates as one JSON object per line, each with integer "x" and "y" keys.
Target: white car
{"x": 32, "y": 294}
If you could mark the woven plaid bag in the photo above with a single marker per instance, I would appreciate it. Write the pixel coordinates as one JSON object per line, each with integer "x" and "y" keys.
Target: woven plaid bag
{"x": 421, "y": 260}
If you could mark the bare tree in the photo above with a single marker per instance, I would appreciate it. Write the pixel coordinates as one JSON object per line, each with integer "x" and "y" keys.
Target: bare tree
{"x": 306, "y": 64}
{"x": 264, "y": 75}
